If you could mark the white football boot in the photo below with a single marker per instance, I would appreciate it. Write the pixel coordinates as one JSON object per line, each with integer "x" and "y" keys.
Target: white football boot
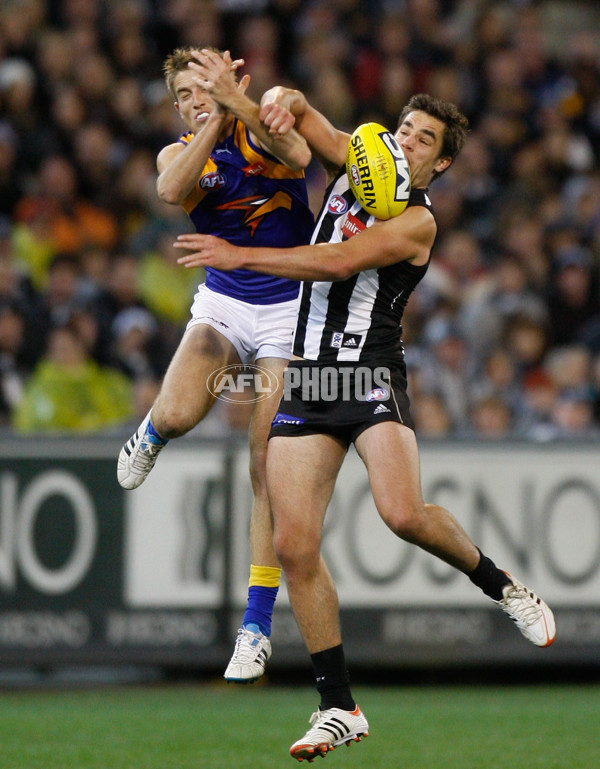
{"x": 137, "y": 457}
{"x": 250, "y": 656}
{"x": 330, "y": 728}
{"x": 531, "y": 615}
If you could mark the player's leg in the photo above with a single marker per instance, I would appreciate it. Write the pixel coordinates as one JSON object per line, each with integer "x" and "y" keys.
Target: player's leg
{"x": 253, "y": 648}
{"x": 183, "y": 400}
{"x": 389, "y": 451}
{"x": 301, "y": 474}
{"x": 271, "y": 341}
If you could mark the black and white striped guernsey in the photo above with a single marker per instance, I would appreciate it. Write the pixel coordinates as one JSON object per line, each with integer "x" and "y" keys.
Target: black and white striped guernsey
{"x": 357, "y": 320}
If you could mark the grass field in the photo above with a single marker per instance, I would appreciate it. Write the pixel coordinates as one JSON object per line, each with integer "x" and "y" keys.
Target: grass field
{"x": 225, "y": 727}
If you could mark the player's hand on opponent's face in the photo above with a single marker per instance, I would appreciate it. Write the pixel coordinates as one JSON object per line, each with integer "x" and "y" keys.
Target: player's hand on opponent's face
{"x": 207, "y": 251}
{"x": 216, "y": 75}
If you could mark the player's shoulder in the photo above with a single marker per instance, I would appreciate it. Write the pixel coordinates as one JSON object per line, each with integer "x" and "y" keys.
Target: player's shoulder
{"x": 419, "y": 196}
{"x": 166, "y": 156}
{"x": 416, "y": 224}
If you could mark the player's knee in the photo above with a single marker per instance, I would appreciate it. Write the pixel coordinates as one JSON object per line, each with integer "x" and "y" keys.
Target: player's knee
{"x": 406, "y": 521}
{"x": 293, "y": 553}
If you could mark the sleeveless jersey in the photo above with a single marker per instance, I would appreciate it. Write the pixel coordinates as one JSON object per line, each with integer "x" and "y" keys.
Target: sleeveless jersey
{"x": 249, "y": 198}
{"x": 359, "y": 319}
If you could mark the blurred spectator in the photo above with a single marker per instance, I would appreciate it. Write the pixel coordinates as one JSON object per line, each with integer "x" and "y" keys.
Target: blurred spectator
{"x": 61, "y": 294}
{"x": 166, "y": 289}
{"x": 526, "y": 340}
{"x": 539, "y": 394}
{"x": 69, "y": 392}
{"x": 515, "y": 279}
{"x": 574, "y": 295}
{"x": 59, "y": 217}
{"x": 136, "y": 348}
{"x": 573, "y": 415}
{"x": 447, "y": 367}
{"x": 490, "y": 417}
{"x": 499, "y": 378}
{"x": 13, "y": 372}
{"x": 11, "y": 183}
{"x": 431, "y": 416}
{"x": 504, "y": 294}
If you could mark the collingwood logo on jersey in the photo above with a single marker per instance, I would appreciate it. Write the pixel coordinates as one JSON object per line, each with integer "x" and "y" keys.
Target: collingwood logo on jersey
{"x": 339, "y": 339}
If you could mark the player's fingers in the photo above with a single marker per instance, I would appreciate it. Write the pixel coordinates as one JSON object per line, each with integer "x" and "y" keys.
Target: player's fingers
{"x": 270, "y": 114}
{"x": 213, "y": 56}
{"x": 188, "y": 240}
{"x": 244, "y": 83}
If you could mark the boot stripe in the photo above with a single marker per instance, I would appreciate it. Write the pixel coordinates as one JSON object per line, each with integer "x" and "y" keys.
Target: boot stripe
{"x": 339, "y": 727}
{"x": 335, "y": 732}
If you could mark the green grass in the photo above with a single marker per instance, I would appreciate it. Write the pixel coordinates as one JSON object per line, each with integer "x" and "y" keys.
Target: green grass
{"x": 218, "y": 727}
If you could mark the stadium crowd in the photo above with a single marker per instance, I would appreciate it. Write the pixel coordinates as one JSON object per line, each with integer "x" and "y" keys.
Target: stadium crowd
{"x": 502, "y": 336}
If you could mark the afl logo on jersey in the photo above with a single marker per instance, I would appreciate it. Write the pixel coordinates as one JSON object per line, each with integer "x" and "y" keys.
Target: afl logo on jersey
{"x": 213, "y": 181}
{"x": 337, "y": 205}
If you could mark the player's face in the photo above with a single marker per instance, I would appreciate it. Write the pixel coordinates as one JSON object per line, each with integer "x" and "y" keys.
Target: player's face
{"x": 194, "y": 104}
{"x": 421, "y": 136}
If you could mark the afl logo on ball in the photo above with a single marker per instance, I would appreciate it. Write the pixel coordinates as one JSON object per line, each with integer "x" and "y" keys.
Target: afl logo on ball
{"x": 337, "y": 205}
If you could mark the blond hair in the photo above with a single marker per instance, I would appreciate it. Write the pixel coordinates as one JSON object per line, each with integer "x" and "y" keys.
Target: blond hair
{"x": 178, "y": 61}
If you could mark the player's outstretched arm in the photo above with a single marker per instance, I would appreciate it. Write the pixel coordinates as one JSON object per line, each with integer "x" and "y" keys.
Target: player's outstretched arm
{"x": 214, "y": 74}
{"x": 281, "y": 108}
{"x": 405, "y": 238}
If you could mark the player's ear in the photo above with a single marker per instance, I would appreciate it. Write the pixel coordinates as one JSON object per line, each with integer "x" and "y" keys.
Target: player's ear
{"x": 176, "y": 105}
{"x": 442, "y": 164}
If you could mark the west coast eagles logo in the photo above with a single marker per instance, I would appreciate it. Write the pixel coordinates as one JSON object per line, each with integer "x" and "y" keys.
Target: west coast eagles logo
{"x": 256, "y": 207}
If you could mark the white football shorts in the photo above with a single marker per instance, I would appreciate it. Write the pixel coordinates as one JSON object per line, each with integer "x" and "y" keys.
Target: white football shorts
{"x": 255, "y": 330}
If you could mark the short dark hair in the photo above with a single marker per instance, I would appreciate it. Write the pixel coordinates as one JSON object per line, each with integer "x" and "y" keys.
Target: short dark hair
{"x": 456, "y": 124}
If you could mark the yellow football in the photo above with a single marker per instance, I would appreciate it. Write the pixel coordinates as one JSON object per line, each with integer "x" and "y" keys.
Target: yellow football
{"x": 378, "y": 171}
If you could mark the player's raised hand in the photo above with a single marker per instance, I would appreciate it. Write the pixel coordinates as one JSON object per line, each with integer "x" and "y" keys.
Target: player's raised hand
{"x": 216, "y": 74}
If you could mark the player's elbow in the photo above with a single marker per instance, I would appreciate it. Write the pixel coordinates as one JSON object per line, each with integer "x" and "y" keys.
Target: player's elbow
{"x": 340, "y": 269}
{"x": 169, "y": 193}
{"x": 300, "y": 158}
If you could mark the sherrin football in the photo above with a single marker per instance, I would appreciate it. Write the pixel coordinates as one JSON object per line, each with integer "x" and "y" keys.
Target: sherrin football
{"x": 378, "y": 171}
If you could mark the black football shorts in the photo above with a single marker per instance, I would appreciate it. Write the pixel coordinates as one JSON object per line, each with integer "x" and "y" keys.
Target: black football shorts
{"x": 340, "y": 400}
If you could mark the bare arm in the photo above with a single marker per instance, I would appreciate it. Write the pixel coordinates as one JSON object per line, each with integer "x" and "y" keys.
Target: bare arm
{"x": 405, "y": 238}
{"x": 327, "y": 143}
{"x": 215, "y": 76}
{"x": 179, "y": 166}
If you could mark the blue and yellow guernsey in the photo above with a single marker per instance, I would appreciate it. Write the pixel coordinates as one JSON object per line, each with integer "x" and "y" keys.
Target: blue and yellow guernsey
{"x": 249, "y": 198}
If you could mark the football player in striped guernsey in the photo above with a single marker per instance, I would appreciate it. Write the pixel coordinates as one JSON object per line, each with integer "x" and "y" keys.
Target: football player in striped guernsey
{"x": 238, "y": 181}
{"x": 358, "y": 275}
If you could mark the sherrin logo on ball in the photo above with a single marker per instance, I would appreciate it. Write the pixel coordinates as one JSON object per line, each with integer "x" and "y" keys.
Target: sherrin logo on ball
{"x": 378, "y": 171}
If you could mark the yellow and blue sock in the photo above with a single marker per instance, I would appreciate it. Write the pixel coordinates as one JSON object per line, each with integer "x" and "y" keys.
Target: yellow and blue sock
{"x": 263, "y": 586}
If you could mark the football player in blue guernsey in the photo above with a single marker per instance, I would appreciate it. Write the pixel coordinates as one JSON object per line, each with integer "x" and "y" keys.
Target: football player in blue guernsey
{"x": 240, "y": 182}
{"x": 354, "y": 292}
